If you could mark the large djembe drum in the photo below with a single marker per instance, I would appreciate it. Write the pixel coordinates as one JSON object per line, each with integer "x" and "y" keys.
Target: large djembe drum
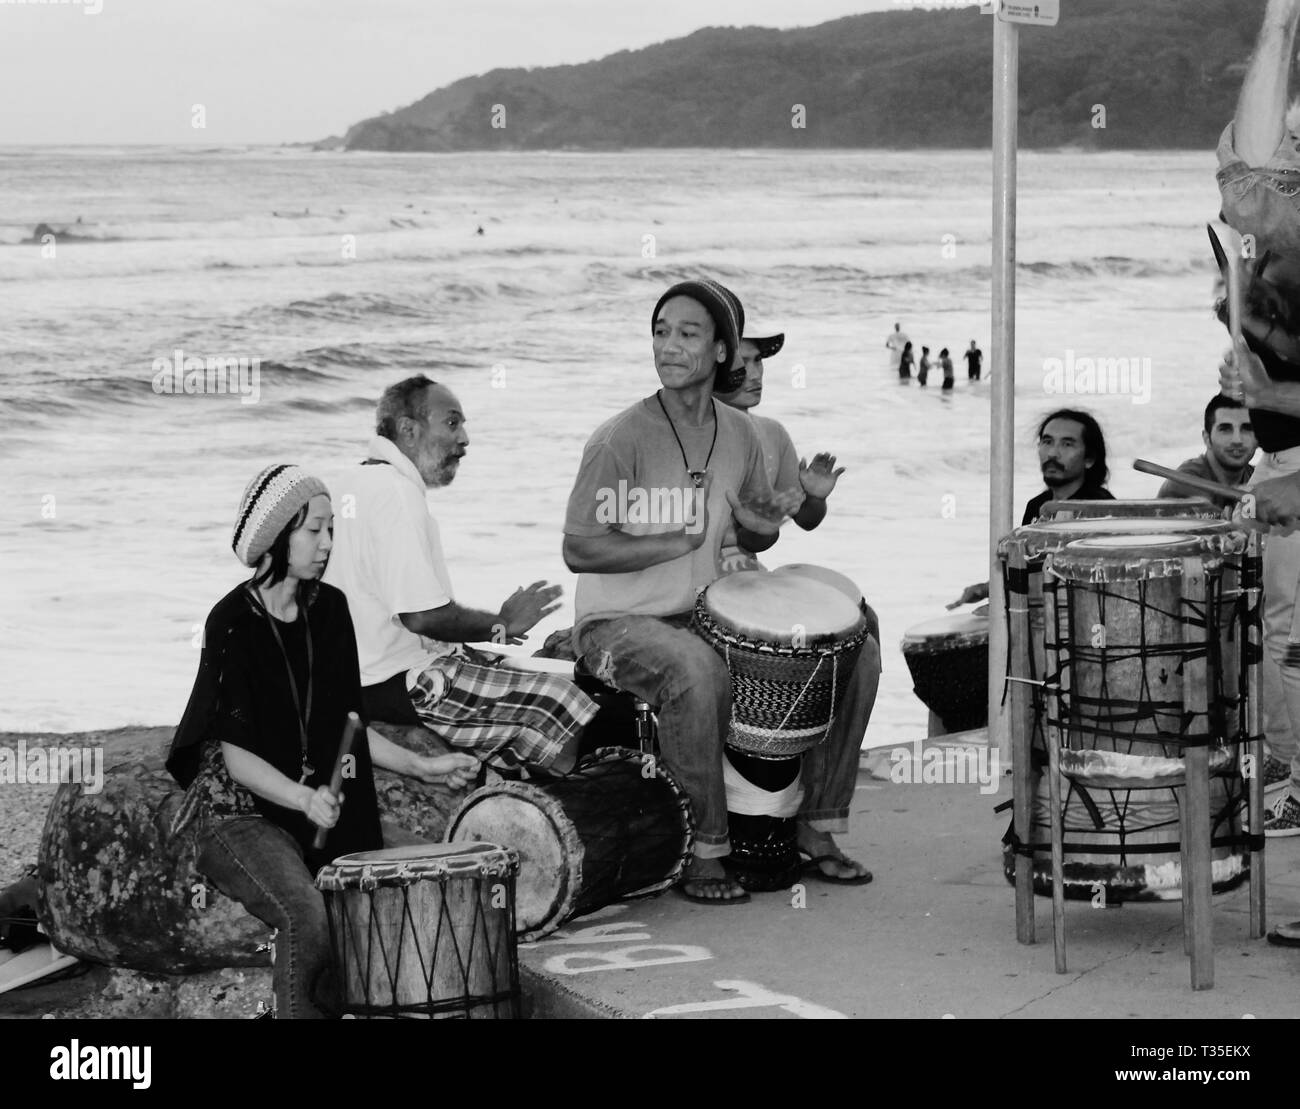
{"x": 617, "y": 826}
{"x": 790, "y": 640}
{"x": 1123, "y": 634}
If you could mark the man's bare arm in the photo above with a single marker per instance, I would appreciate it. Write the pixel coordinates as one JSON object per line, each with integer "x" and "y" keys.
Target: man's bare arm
{"x": 1260, "y": 122}
{"x": 452, "y": 623}
{"x": 617, "y": 553}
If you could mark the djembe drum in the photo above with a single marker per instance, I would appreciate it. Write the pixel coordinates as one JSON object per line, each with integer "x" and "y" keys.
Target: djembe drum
{"x": 617, "y": 826}
{"x": 790, "y": 642}
{"x": 424, "y": 931}
{"x": 1123, "y": 634}
{"x": 949, "y": 661}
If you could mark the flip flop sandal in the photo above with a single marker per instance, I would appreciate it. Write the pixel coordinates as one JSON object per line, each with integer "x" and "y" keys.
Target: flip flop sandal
{"x": 1282, "y": 939}
{"x": 681, "y": 888}
{"x": 812, "y": 869}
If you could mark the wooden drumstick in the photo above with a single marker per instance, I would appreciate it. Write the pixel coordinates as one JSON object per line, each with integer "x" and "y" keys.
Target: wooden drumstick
{"x": 1230, "y": 242}
{"x": 350, "y": 729}
{"x": 1200, "y": 484}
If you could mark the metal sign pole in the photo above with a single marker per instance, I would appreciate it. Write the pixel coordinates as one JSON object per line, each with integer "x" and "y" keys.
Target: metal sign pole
{"x": 1002, "y": 412}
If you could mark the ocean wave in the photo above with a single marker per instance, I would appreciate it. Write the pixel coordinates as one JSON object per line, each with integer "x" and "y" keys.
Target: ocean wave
{"x": 353, "y": 306}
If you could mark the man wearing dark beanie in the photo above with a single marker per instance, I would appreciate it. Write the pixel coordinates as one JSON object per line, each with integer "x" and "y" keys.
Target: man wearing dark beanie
{"x": 639, "y": 572}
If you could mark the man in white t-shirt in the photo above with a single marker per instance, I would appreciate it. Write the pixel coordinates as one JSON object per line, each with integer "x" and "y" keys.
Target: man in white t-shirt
{"x": 639, "y": 571}
{"x": 896, "y": 342}
{"x": 411, "y": 633}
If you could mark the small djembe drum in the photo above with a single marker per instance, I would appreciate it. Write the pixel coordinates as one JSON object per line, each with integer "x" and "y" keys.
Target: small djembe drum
{"x": 425, "y": 931}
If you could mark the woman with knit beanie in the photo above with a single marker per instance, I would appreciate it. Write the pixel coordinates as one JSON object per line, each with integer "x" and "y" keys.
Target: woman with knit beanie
{"x": 257, "y": 744}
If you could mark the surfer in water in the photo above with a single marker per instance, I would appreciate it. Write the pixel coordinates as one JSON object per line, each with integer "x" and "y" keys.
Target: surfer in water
{"x": 1072, "y": 457}
{"x": 905, "y": 362}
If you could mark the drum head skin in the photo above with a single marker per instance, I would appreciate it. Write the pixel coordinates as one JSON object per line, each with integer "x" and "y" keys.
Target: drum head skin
{"x": 826, "y": 576}
{"x": 947, "y": 632}
{"x": 399, "y": 866}
{"x": 535, "y": 824}
{"x": 1035, "y": 540}
{"x": 1171, "y": 507}
{"x": 780, "y": 608}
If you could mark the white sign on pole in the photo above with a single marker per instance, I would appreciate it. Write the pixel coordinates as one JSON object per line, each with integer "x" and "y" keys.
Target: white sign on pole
{"x": 1043, "y": 13}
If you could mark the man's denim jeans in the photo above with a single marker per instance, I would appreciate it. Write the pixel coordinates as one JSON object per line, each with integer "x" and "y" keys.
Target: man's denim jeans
{"x": 261, "y": 866}
{"x": 661, "y": 661}
{"x": 1281, "y": 628}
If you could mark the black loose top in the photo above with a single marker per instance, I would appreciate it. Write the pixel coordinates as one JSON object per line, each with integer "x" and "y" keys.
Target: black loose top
{"x": 242, "y": 696}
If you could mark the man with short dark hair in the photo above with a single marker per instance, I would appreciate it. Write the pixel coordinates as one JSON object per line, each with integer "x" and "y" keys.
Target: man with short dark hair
{"x": 411, "y": 634}
{"x": 974, "y": 360}
{"x": 638, "y": 577}
{"x": 1229, "y": 446}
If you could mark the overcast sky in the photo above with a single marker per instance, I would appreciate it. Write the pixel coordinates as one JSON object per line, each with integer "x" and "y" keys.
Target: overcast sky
{"x": 298, "y": 70}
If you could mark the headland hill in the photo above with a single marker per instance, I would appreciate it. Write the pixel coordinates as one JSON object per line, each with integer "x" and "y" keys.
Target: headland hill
{"x": 1164, "y": 72}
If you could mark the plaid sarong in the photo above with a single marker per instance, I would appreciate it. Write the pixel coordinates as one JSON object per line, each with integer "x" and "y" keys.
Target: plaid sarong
{"x": 529, "y": 718}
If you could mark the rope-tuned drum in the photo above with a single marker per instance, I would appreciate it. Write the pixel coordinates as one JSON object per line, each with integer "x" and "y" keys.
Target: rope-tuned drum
{"x": 1117, "y": 579}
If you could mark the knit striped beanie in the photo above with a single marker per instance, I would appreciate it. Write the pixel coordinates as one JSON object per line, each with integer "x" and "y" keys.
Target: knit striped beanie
{"x": 728, "y": 324}
{"x": 269, "y": 504}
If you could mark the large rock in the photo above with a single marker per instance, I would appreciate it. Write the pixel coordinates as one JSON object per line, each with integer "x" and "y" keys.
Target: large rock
{"x": 411, "y": 811}
{"x": 115, "y": 889}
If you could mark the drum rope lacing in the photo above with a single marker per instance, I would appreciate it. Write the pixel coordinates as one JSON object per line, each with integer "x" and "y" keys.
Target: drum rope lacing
{"x": 1245, "y": 616}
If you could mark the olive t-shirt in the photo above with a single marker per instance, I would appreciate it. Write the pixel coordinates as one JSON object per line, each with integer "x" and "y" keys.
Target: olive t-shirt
{"x": 633, "y": 479}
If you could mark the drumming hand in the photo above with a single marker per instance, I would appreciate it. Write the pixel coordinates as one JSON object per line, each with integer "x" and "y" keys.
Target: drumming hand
{"x": 322, "y": 807}
{"x": 526, "y": 607}
{"x": 972, "y": 593}
{"x": 1276, "y": 502}
{"x": 818, "y": 480}
{"x": 455, "y": 771}
{"x": 764, "y": 515}
{"x": 1242, "y": 377}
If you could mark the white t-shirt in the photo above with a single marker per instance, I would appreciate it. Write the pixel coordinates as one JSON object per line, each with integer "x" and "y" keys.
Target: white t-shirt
{"x": 896, "y": 342}
{"x": 388, "y": 559}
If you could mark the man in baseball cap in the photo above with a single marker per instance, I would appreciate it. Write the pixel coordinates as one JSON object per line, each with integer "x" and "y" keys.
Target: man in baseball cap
{"x": 657, "y": 487}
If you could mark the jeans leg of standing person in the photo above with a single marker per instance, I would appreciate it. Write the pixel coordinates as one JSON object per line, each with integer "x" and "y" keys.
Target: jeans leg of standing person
{"x": 1281, "y": 627}
{"x": 1278, "y": 735}
{"x": 261, "y": 866}
{"x": 675, "y": 670}
{"x": 830, "y": 770}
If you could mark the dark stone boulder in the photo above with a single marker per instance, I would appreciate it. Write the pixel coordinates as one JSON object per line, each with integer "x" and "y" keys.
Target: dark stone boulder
{"x": 411, "y": 811}
{"x": 115, "y": 889}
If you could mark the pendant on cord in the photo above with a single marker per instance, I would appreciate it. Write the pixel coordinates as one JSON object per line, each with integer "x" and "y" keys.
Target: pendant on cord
{"x": 307, "y": 771}
{"x": 698, "y": 477}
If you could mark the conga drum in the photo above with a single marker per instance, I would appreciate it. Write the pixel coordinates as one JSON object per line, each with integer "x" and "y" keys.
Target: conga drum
{"x": 949, "y": 661}
{"x": 617, "y": 826}
{"x": 424, "y": 931}
{"x": 790, "y": 641}
{"x": 1123, "y": 633}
